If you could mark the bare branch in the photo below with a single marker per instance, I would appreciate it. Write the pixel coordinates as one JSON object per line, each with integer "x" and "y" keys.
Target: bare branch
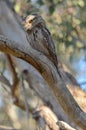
{"x": 17, "y": 101}
{"x": 25, "y": 99}
{"x": 48, "y": 116}
{"x": 44, "y": 114}
{"x": 6, "y": 128}
{"x": 48, "y": 71}
{"x": 64, "y": 126}
{"x": 15, "y": 85}
{"x": 4, "y": 80}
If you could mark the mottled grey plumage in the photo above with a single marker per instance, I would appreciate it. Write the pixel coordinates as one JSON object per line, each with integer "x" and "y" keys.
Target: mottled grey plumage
{"x": 39, "y": 36}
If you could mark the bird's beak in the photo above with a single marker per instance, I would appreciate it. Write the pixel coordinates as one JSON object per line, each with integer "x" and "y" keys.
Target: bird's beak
{"x": 27, "y": 26}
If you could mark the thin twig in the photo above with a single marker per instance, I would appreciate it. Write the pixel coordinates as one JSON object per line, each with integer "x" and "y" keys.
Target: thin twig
{"x": 15, "y": 86}
{"x": 25, "y": 99}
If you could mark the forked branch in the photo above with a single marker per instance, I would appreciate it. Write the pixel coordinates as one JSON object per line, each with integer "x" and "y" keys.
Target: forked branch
{"x": 48, "y": 71}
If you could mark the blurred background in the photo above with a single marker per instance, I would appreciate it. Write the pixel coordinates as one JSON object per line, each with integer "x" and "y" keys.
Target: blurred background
{"x": 66, "y": 20}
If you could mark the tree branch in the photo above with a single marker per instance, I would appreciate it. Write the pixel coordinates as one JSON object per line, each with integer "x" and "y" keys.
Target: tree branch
{"x": 64, "y": 126}
{"x": 50, "y": 119}
{"x": 47, "y": 115}
{"x": 7, "y": 128}
{"x": 15, "y": 85}
{"x": 48, "y": 71}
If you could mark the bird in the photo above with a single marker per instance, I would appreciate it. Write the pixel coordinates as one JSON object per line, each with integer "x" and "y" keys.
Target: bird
{"x": 39, "y": 37}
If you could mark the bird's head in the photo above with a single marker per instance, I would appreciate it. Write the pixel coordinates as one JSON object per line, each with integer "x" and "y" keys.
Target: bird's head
{"x": 33, "y": 20}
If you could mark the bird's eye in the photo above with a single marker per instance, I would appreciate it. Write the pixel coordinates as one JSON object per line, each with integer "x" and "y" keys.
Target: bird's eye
{"x": 30, "y": 21}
